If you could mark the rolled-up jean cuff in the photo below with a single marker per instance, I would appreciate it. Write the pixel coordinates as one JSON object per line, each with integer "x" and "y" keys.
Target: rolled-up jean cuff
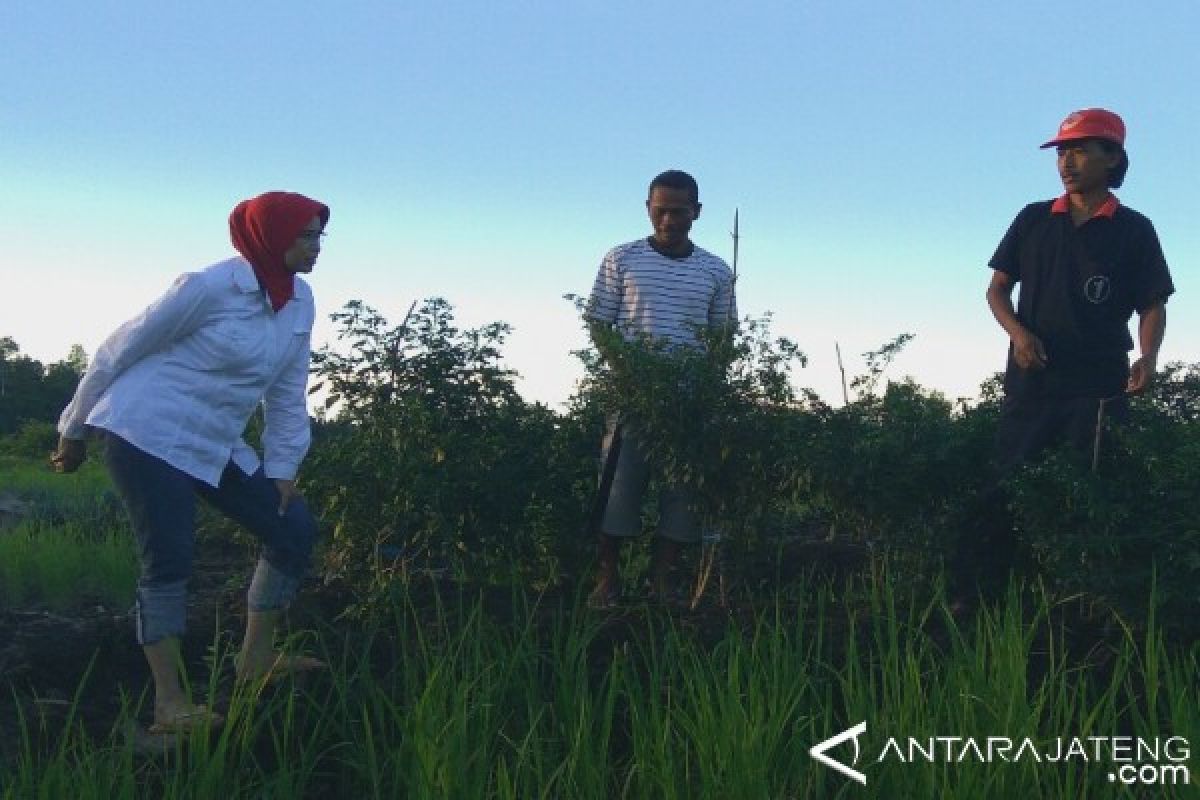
{"x": 270, "y": 588}
{"x": 161, "y": 611}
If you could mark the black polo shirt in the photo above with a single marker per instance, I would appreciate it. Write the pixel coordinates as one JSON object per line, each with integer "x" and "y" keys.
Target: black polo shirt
{"x": 1079, "y": 286}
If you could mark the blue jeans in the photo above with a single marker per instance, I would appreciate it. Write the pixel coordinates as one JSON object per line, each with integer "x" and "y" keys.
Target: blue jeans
{"x": 161, "y": 503}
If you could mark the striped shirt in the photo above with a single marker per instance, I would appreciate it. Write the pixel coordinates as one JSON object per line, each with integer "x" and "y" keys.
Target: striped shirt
{"x": 640, "y": 291}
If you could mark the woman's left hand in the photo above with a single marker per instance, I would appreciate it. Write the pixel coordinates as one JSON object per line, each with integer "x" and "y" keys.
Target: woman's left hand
{"x": 287, "y": 491}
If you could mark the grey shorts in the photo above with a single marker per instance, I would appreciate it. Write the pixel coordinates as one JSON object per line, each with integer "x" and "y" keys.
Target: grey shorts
{"x": 677, "y": 519}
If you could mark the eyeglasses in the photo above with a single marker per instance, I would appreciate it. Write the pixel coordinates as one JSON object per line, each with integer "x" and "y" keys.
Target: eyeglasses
{"x": 311, "y": 237}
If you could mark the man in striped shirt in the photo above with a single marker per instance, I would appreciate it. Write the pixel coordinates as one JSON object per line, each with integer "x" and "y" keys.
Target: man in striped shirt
{"x": 664, "y": 287}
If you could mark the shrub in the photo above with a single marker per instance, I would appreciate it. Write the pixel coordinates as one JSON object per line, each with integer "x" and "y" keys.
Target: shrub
{"x": 431, "y": 456}
{"x": 428, "y": 457}
{"x": 34, "y": 439}
{"x": 1133, "y": 522}
{"x": 899, "y": 469}
{"x": 722, "y": 418}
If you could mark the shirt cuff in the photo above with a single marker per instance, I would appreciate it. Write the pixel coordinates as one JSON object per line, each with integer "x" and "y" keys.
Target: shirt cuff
{"x": 72, "y": 429}
{"x": 280, "y": 470}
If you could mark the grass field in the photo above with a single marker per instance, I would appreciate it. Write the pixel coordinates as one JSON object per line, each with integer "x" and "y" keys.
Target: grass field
{"x": 454, "y": 691}
{"x": 457, "y": 695}
{"x": 73, "y": 545}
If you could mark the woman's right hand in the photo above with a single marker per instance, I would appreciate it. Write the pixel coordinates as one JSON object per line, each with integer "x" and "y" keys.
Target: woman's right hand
{"x": 69, "y": 455}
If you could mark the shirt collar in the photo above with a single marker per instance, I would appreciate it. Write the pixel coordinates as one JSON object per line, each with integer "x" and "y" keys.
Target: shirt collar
{"x": 244, "y": 278}
{"x": 1109, "y": 207}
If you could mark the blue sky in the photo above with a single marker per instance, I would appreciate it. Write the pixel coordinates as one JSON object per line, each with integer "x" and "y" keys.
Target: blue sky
{"x": 491, "y": 152}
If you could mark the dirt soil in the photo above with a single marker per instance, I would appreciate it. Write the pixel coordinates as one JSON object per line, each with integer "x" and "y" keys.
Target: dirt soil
{"x": 45, "y": 656}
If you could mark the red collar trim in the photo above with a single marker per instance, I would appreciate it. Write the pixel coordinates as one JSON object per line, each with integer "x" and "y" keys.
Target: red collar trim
{"x": 1062, "y": 205}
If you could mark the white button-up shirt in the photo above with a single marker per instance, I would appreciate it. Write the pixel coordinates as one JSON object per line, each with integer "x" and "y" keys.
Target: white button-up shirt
{"x": 181, "y": 380}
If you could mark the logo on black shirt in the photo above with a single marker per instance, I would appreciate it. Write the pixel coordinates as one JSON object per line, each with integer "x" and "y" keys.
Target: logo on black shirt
{"x": 1097, "y": 289}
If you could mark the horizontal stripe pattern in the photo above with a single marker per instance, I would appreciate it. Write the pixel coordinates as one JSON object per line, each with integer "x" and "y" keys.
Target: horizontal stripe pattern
{"x": 640, "y": 291}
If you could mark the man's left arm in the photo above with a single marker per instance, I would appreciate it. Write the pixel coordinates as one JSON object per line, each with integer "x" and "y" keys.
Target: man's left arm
{"x": 722, "y": 319}
{"x": 1150, "y": 298}
{"x": 1152, "y": 326}
{"x": 722, "y": 309}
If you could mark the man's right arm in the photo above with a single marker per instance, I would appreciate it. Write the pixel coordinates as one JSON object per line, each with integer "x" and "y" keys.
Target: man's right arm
{"x": 1028, "y": 350}
{"x": 603, "y": 304}
{"x": 601, "y": 334}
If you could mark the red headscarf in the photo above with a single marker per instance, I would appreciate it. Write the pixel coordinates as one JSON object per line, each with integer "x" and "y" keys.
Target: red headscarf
{"x": 264, "y": 228}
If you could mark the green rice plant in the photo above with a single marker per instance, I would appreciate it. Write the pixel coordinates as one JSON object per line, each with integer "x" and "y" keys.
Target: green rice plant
{"x": 459, "y": 693}
{"x": 740, "y": 707}
{"x": 64, "y": 565}
{"x": 583, "y": 704}
{"x": 86, "y": 496}
{"x": 76, "y": 766}
{"x": 991, "y": 678}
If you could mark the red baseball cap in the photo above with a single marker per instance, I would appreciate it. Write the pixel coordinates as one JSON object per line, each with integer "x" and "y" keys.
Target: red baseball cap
{"x": 1090, "y": 123}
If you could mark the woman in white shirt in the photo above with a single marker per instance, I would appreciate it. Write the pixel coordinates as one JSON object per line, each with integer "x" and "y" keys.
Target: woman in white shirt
{"x": 171, "y": 392}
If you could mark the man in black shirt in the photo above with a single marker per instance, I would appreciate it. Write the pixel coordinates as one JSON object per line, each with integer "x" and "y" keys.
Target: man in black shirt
{"x": 1085, "y": 263}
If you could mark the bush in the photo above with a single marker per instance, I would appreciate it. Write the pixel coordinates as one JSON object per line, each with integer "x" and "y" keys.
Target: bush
{"x": 34, "y": 439}
{"x": 432, "y": 459}
{"x": 899, "y": 470}
{"x": 428, "y": 458}
{"x": 1133, "y": 522}
{"x": 722, "y": 419}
